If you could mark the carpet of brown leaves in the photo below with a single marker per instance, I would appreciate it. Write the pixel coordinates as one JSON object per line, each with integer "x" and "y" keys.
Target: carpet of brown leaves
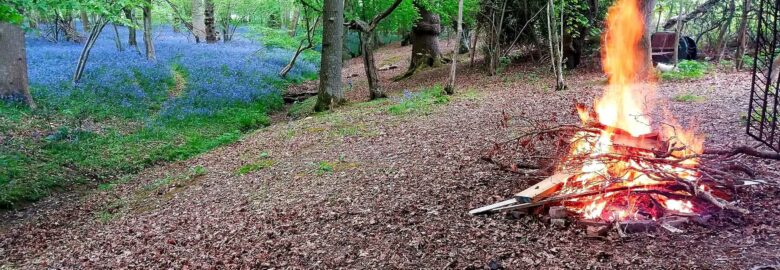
{"x": 361, "y": 188}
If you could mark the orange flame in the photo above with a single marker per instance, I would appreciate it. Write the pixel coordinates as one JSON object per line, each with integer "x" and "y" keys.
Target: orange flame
{"x": 621, "y": 109}
{"x": 624, "y": 60}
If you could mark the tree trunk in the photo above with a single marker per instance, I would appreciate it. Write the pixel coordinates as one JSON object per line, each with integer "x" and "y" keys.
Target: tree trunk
{"x": 13, "y": 65}
{"x": 117, "y": 39}
{"x": 367, "y": 46}
{"x": 450, "y": 89}
{"x": 294, "y": 23}
{"x": 648, "y": 7}
{"x": 131, "y": 39}
{"x": 722, "y": 43}
{"x": 97, "y": 28}
{"x": 425, "y": 40}
{"x": 85, "y": 21}
{"x": 148, "y": 30}
{"x": 330, "y": 93}
{"x": 198, "y": 21}
{"x": 211, "y": 31}
{"x": 742, "y": 35}
{"x": 677, "y": 31}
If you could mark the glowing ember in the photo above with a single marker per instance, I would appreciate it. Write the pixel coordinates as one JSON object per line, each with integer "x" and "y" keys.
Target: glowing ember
{"x": 633, "y": 182}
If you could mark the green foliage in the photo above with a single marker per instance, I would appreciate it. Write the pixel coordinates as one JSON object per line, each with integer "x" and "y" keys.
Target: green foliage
{"x": 303, "y": 108}
{"x": 82, "y": 142}
{"x": 324, "y": 167}
{"x": 421, "y": 102}
{"x": 688, "y": 69}
{"x": 687, "y": 97}
{"x": 264, "y": 161}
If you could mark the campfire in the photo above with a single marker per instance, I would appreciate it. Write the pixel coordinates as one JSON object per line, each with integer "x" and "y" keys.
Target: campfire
{"x": 620, "y": 167}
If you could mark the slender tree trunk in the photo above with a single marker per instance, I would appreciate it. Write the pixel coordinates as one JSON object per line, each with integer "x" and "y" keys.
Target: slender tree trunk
{"x": 198, "y": 21}
{"x": 131, "y": 34}
{"x": 13, "y": 65}
{"x": 294, "y": 23}
{"x": 211, "y": 31}
{"x": 647, "y": 7}
{"x": 330, "y": 92}
{"x": 425, "y": 40}
{"x": 148, "y": 43}
{"x": 368, "y": 41}
{"x": 474, "y": 43}
{"x": 97, "y": 28}
{"x": 722, "y": 39}
{"x": 369, "y": 64}
{"x": 85, "y": 21}
{"x": 742, "y": 35}
{"x": 677, "y": 31}
{"x": 117, "y": 39}
{"x": 450, "y": 89}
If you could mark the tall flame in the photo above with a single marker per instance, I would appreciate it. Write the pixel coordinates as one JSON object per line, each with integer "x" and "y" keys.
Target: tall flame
{"x": 601, "y": 163}
{"x": 624, "y": 60}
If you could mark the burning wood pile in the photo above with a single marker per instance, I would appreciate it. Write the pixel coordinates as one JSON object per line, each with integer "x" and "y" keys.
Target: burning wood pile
{"x": 619, "y": 168}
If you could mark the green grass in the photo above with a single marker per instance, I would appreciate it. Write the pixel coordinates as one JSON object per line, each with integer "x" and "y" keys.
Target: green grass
{"x": 421, "y": 103}
{"x": 77, "y": 140}
{"x": 255, "y": 166}
{"x": 302, "y": 109}
{"x": 688, "y": 98}
{"x": 687, "y": 70}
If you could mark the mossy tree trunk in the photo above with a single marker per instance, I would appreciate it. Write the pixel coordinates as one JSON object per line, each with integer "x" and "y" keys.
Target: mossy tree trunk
{"x": 425, "y": 40}
{"x": 13, "y": 65}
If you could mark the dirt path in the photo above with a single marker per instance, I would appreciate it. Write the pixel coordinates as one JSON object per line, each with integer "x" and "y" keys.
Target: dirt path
{"x": 363, "y": 188}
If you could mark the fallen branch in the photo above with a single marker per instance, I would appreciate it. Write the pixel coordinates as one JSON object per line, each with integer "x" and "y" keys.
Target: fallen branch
{"x": 745, "y": 150}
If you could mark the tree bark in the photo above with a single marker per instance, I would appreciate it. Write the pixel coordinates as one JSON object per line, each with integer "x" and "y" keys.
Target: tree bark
{"x": 13, "y": 65}
{"x": 722, "y": 43}
{"x": 330, "y": 92}
{"x": 294, "y": 23}
{"x": 198, "y": 21}
{"x": 678, "y": 30}
{"x": 211, "y": 30}
{"x": 704, "y": 8}
{"x": 368, "y": 42}
{"x": 84, "y": 21}
{"x": 450, "y": 89}
{"x": 131, "y": 39}
{"x": 742, "y": 35}
{"x": 367, "y": 46}
{"x": 425, "y": 40}
{"x": 97, "y": 28}
{"x": 148, "y": 43}
{"x": 647, "y": 10}
{"x": 117, "y": 39}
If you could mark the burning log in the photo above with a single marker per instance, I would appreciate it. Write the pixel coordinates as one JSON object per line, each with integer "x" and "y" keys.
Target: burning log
{"x": 616, "y": 169}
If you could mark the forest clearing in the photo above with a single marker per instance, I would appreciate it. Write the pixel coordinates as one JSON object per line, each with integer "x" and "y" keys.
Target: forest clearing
{"x": 219, "y": 152}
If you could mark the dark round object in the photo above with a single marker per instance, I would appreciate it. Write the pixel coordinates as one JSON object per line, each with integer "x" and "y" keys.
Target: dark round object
{"x": 693, "y": 51}
{"x": 682, "y": 50}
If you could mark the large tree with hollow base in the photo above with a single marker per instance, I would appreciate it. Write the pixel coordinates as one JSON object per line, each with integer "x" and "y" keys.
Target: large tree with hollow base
{"x": 425, "y": 40}
{"x": 13, "y": 64}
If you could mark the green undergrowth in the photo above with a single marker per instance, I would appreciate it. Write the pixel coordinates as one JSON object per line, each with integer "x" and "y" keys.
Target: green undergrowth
{"x": 262, "y": 162}
{"x": 163, "y": 188}
{"x": 421, "y": 102}
{"x": 688, "y": 97}
{"x": 688, "y": 70}
{"x": 76, "y": 140}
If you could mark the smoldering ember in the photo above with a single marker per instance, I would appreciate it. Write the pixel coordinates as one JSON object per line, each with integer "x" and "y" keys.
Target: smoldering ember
{"x": 389, "y": 134}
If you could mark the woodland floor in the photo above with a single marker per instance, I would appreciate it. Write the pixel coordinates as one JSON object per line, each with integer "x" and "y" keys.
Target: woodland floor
{"x": 363, "y": 188}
